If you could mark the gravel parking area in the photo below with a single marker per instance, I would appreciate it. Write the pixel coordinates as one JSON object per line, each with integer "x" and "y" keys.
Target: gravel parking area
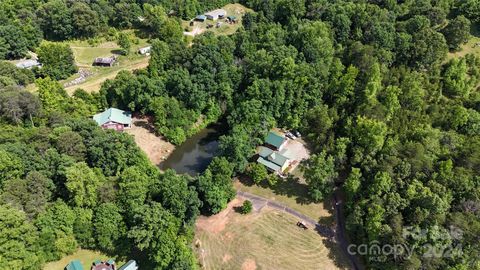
{"x": 296, "y": 151}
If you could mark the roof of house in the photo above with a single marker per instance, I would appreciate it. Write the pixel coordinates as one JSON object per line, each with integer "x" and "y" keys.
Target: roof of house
{"x": 104, "y": 60}
{"x": 28, "y": 63}
{"x": 74, "y": 265}
{"x": 148, "y": 48}
{"x": 275, "y": 139}
{"x": 130, "y": 265}
{"x": 272, "y": 159}
{"x": 231, "y": 18}
{"x": 216, "y": 13}
{"x": 201, "y": 17}
{"x": 114, "y": 115}
{"x": 103, "y": 266}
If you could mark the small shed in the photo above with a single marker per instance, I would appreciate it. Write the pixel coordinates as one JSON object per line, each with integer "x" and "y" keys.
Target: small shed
{"x": 231, "y": 18}
{"x": 28, "y": 64}
{"x": 105, "y": 61}
{"x": 130, "y": 265}
{"x": 201, "y": 18}
{"x": 275, "y": 140}
{"x": 114, "y": 118}
{"x": 216, "y": 14}
{"x": 145, "y": 50}
{"x": 74, "y": 265}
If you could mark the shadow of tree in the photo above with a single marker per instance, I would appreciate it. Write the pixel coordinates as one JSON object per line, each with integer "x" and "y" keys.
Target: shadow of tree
{"x": 117, "y": 52}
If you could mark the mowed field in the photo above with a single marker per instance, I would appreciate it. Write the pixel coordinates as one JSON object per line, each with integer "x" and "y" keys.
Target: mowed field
{"x": 225, "y": 28}
{"x": 85, "y": 54}
{"x": 263, "y": 239}
{"x": 85, "y": 256}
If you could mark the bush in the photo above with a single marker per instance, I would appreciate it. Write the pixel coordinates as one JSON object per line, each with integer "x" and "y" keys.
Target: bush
{"x": 246, "y": 207}
{"x": 257, "y": 172}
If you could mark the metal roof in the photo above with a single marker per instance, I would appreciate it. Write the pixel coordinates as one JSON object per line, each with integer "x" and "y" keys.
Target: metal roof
{"x": 104, "y": 60}
{"x": 74, "y": 265}
{"x": 130, "y": 265}
{"x": 28, "y": 63}
{"x": 275, "y": 139}
{"x": 114, "y": 115}
{"x": 272, "y": 159}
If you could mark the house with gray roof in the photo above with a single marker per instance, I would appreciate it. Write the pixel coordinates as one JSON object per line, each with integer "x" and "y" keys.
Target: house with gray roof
{"x": 105, "y": 61}
{"x": 114, "y": 119}
{"x": 130, "y": 265}
{"x": 28, "y": 64}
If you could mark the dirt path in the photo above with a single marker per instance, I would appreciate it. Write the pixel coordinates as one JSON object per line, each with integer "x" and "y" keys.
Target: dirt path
{"x": 196, "y": 31}
{"x": 93, "y": 85}
{"x": 156, "y": 148}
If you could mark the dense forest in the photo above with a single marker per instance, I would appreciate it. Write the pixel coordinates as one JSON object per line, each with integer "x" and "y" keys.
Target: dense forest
{"x": 392, "y": 120}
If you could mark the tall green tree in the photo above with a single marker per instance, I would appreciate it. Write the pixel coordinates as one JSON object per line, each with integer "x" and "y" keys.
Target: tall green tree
{"x": 19, "y": 244}
{"x": 57, "y": 60}
{"x": 457, "y": 32}
{"x": 82, "y": 184}
{"x": 319, "y": 172}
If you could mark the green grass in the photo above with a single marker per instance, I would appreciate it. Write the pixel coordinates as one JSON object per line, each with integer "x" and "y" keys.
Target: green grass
{"x": 293, "y": 193}
{"x": 469, "y": 47}
{"x": 85, "y": 256}
{"x": 85, "y": 53}
{"x": 267, "y": 239}
{"x": 236, "y": 10}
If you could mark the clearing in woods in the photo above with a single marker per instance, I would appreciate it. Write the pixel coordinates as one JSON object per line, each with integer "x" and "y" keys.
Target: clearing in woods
{"x": 225, "y": 28}
{"x": 263, "y": 239}
{"x": 85, "y": 54}
{"x": 86, "y": 257}
{"x": 155, "y": 147}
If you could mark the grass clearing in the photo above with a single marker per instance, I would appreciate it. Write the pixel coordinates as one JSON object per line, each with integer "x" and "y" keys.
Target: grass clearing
{"x": 263, "y": 239}
{"x": 85, "y": 53}
{"x": 85, "y": 256}
{"x": 292, "y": 193}
{"x": 225, "y": 28}
{"x": 467, "y": 48}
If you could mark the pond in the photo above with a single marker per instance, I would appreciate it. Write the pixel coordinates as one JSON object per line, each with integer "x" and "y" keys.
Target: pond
{"x": 194, "y": 155}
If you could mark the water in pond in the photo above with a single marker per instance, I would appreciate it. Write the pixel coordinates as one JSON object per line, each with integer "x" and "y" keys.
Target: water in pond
{"x": 194, "y": 155}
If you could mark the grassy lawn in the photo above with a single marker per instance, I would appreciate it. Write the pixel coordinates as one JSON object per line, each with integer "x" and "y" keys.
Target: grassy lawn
{"x": 265, "y": 239}
{"x": 236, "y": 10}
{"x": 291, "y": 192}
{"x": 85, "y": 53}
{"x": 469, "y": 47}
{"x": 85, "y": 256}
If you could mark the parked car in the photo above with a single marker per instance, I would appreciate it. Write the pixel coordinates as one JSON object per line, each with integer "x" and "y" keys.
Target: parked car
{"x": 290, "y": 135}
{"x": 296, "y": 133}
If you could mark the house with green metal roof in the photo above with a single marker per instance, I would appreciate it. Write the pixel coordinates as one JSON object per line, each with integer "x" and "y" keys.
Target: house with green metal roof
{"x": 74, "y": 265}
{"x": 273, "y": 160}
{"x": 114, "y": 119}
{"x": 275, "y": 140}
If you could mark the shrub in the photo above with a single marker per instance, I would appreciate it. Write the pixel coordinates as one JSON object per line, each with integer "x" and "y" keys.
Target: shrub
{"x": 246, "y": 207}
